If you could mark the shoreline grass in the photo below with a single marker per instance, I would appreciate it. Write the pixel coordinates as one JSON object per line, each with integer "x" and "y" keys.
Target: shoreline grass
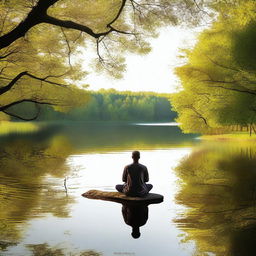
{"x": 7, "y": 127}
{"x": 229, "y": 136}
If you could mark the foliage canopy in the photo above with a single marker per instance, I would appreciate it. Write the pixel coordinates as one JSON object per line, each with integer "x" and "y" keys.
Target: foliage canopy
{"x": 219, "y": 77}
{"x": 38, "y": 39}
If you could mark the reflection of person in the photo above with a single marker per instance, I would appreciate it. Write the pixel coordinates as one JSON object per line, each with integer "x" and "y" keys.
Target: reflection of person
{"x": 135, "y": 177}
{"x": 135, "y": 216}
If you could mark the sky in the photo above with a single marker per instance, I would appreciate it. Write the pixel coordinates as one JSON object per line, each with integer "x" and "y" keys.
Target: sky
{"x": 151, "y": 72}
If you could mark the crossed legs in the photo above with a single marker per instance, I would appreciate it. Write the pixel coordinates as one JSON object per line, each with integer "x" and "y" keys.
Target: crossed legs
{"x": 120, "y": 187}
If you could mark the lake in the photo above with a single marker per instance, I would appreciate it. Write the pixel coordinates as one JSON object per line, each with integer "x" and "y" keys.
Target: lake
{"x": 209, "y": 192}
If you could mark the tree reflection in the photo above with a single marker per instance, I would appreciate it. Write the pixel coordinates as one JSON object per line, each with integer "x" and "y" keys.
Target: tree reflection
{"x": 46, "y": 250}
{"x": 24, "y": 192}
{"x": 219, "y": 189}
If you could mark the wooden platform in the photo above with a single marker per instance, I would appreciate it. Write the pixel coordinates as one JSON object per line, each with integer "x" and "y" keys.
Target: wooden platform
{"x": 118, "y": 197}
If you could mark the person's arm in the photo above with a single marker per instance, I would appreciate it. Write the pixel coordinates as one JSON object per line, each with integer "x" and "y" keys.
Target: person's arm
{"x": 125, "y": 174}
{"x": 146, "y": 176}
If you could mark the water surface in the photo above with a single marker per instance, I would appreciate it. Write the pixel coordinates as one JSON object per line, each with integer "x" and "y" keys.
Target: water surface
{"x": 209, "y": 191}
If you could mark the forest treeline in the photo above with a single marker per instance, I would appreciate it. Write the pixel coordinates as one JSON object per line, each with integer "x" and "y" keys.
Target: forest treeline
{"x": 219, "y": 78}
{"x": 109, "y": 105}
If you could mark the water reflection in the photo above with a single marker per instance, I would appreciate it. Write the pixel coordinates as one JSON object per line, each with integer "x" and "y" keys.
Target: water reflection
{"x": 135, "y": 215}
{"x": 104, "y": 137}
{"x": 46, "y": 250}
{"x": 24, "y": 190}
{"x": 218, "y": 185}
{"x": 32, "y": 173}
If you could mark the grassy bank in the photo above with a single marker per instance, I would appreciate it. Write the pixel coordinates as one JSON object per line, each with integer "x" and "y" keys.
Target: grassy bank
{"x": 230, "y": 136}
{"x": 7, "y": 127}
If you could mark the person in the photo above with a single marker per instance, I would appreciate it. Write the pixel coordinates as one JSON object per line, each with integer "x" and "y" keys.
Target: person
{"x": 135, "y": 176}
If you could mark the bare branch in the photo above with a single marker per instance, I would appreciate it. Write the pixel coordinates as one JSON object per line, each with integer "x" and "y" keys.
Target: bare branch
{"x": 44, "y": 79}
{"x": 199, "y": 8}
{"x": 109, "y": 25}
{"x": 69, "y": 48}
{"x": 98, "y": 49}
{"x": 78, "y": 37}
{"x": 199, "y": 115}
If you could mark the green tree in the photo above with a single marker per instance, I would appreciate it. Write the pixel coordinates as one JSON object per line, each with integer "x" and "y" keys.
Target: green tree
{"x": 109, "y": 105}
{"x": 40, "y": 41}
{"x": 219, "y": 78}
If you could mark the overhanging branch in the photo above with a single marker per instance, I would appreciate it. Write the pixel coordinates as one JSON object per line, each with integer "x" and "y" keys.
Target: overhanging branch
{"x": 34, "y": 17}
{"x": 38, "y": 109}
{"x": 25, "y": 73}
{"x": 38, "y": 15}
{"x": 5, "y": 107}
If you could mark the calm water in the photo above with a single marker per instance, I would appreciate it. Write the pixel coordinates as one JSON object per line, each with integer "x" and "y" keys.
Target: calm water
{"x": 209, "y": 190}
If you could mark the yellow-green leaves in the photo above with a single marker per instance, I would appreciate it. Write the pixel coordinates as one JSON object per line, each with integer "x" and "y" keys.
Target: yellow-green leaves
{"x": 219, "y": 84}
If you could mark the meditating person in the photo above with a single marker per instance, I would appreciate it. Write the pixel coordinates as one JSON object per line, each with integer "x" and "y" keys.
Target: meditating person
{"x": 135, "y": 176}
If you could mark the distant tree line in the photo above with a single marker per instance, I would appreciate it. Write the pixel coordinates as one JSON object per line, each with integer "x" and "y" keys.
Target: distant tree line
{"x": 111, "y": 105}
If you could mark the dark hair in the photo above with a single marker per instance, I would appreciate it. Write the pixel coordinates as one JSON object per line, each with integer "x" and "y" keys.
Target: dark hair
{"x": 136, "y": 154}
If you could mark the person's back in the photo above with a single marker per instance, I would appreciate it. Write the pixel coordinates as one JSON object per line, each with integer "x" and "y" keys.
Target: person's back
{"x": 135, "y": 177}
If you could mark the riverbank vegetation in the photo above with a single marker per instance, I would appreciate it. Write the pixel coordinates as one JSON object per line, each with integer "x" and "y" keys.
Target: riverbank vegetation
{"x": 230, "y": 136}
{"x": 218, "y": 80}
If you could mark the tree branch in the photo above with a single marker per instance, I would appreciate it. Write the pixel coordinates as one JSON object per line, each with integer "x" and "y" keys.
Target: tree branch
{"x": 25, "y": 73}
{"x": 73, "y": 25}
{"x": 12, "y": 83}
{"x": 199, "y": 8}
{"x": 38, "y": 15}
{"x": 8, "y": 54}
{"x": 221, "y": 65}
{"x": 68, "y": 45}
{"x": 234, "y": 89}
{"x": 24, "y": 118}
{"x": 5, "y": 107}
{"x": 34, "y": 17}
{"x": 197, "y": 113}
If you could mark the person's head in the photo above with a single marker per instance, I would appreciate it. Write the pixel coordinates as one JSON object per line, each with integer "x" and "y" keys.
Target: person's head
{"x": 135, "y": 232}
{"x": 135, "y": 156}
